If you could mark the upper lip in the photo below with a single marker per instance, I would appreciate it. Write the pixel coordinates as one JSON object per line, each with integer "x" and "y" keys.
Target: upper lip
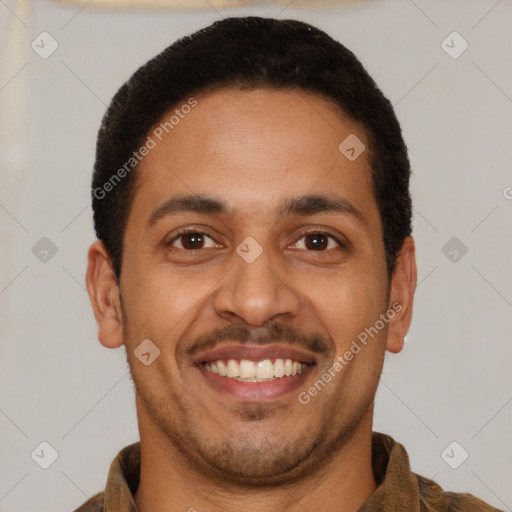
{"x": 253, "y": 352}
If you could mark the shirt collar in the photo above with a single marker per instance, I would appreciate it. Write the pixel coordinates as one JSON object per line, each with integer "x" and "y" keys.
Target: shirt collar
{"x": 123, "y": 480}
{"x": 397, "y": 487}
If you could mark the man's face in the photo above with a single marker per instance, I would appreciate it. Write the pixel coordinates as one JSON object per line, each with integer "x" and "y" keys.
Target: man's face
{"x": 200, "y": 300}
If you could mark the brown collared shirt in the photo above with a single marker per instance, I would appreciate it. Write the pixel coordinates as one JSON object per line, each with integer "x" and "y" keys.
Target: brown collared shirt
{"x": 399, "y": 490}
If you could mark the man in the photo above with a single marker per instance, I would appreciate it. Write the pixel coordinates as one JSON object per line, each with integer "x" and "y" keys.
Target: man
{"x": 251, "y": 202}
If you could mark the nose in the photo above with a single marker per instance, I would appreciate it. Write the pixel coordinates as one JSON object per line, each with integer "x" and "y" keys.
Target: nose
{"x": 258, "y": 291}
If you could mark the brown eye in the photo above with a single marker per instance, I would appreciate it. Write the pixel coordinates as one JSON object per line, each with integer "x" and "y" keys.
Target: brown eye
{"x": 318, "y": 242}
{"x": 191, "y": 240}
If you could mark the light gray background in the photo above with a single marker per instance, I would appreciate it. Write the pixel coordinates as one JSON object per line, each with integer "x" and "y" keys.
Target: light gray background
{"x": 452, "y": 382}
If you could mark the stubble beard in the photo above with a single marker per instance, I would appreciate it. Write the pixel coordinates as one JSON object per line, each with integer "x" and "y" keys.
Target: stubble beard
{"x": 240, "y": 459}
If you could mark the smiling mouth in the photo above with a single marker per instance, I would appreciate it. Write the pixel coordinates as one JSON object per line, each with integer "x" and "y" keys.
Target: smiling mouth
{"x": 255, "y": 373}
{"x": 246, "y": 370}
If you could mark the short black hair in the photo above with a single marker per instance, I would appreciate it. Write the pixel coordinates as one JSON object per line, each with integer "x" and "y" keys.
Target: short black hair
{"x": 248, "y": 53}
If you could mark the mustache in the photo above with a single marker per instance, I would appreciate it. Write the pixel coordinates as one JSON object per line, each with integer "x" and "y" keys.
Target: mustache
{"x": 315, "y": 342}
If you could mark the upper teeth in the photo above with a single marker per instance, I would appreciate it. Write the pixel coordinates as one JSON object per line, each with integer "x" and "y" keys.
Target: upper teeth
{"x": 255, "y": 371}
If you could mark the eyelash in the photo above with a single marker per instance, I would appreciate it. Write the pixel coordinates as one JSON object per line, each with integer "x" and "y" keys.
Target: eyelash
{"x": 196, "y": 231}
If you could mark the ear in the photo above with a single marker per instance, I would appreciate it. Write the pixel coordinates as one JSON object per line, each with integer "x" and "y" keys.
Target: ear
{"x": 104, "y": 295}
{"x": 403, "y": 285}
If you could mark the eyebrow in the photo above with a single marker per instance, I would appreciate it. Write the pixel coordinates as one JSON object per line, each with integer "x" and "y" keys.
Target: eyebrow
{"x": 300, "y": 206}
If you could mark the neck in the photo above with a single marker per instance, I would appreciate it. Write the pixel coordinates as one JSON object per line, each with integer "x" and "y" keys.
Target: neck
{"x": 166, "y": 478}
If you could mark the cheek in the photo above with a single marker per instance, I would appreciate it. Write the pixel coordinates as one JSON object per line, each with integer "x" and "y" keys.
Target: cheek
{"x": 160, "y": 303}
{"x": 345, "y": 304}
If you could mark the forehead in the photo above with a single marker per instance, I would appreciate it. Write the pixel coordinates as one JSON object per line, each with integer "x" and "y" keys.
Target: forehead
{"x": 253, "y": 148}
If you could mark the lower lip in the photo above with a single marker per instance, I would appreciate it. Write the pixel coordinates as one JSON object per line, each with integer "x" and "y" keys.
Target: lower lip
{"x": 256, "y": 391}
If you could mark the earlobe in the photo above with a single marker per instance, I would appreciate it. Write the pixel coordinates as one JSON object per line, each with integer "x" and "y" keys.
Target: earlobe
{"x": 104, "y": 295}
{"x": 403, "y": 285}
